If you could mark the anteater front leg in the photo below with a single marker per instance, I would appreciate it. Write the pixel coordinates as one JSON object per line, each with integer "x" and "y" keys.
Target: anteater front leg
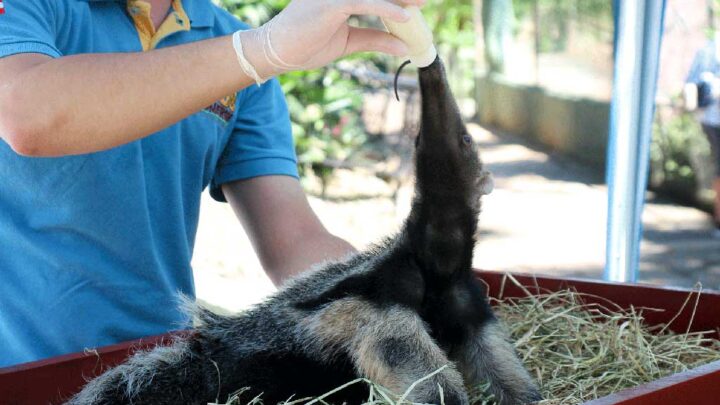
{"x": 488, "y": 355}
{"x": 390, "y": 346}
{"x": 398, "y": 352}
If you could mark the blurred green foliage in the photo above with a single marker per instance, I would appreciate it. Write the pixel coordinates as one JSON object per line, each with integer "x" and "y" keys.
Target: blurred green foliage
{"x": 325, "y": 105}
{"x": 453, "y": 26}
{"x": 325, "y": 111}
{"x": 678, "y": 148}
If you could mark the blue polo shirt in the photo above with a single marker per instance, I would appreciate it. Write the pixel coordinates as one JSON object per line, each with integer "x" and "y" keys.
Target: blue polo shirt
{"x": 706, "y": 60}
{"x": 94, "y": 248}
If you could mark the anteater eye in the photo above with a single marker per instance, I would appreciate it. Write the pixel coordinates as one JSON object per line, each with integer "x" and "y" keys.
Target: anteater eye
{"x": 467, "y": 139}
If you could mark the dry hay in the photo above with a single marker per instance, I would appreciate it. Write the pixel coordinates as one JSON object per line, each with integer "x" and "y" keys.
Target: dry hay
{"x": 576, "y": 350}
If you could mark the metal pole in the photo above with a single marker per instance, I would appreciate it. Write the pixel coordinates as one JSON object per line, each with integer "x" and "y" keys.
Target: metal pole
{"x": 536, "y": 40}
{"x": 637, "y": 49}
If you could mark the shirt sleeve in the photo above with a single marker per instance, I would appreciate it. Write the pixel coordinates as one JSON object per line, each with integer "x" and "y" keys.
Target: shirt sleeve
{"x": 701, "y": 63}
{"x": 28, "y": 26}
{"x": 261, "y": 143}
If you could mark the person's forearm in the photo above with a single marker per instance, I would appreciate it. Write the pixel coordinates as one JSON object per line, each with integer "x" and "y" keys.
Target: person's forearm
{"x": 306, "y": 253}
{"x": 285, "y": 232}
{"x": 86, "y": 103}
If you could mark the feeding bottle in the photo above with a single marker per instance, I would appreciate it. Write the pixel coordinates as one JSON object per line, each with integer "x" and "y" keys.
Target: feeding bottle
{"x": 417, "y": 36}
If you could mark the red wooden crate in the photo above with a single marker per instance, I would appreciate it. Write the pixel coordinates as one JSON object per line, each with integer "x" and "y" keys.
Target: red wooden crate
{"x": 50, "y": 381}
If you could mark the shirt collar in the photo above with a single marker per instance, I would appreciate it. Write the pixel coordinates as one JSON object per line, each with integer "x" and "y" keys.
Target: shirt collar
{"x": 200, "y": 12}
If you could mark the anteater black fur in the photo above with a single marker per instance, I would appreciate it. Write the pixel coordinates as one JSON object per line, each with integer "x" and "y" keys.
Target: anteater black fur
{"x": 393, "y": 313}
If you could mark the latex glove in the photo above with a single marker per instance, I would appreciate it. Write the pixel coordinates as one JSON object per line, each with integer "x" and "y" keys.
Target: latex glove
{"x": 309, "y": 34}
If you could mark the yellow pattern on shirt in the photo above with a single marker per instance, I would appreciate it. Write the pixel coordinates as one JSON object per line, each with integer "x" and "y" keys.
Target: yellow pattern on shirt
{"x": 177, "y": 20}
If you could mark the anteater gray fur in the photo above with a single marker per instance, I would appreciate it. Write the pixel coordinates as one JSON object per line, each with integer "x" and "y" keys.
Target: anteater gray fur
{"x": 394, "y": 313}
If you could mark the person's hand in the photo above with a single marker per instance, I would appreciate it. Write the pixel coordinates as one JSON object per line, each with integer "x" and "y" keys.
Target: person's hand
{"x": 309, "y": 34}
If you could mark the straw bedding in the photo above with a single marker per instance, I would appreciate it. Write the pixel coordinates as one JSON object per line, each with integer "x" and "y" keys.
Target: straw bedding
{"x": 579, "y": 351}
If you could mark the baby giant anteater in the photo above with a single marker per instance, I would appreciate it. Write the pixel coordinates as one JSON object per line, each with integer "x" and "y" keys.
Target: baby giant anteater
{"x": 393, "y": 314}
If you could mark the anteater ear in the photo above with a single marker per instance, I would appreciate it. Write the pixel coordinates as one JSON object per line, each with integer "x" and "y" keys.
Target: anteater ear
{"x": 486, "y": 182}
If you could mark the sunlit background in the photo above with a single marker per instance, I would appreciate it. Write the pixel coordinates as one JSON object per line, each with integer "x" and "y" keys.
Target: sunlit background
{"x": 534, "y": 80}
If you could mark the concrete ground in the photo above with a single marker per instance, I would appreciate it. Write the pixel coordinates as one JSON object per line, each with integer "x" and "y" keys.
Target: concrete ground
{"x": 547, "y": 215}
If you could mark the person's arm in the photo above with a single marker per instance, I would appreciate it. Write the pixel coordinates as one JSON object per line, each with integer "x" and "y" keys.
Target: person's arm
{"x": 87, "y": 103}
{"x": 287, "y": 235}
{"x": 690, "y": 88}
